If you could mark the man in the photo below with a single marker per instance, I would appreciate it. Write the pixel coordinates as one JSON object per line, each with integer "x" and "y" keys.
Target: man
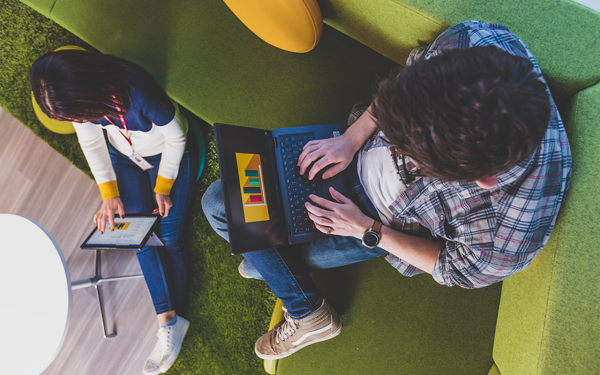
{"x": 459, "y": 168}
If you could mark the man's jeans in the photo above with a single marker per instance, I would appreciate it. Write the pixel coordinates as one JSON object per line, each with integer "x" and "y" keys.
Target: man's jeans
{"x": 165, "y": 268}
{"x": 286, "y": 268}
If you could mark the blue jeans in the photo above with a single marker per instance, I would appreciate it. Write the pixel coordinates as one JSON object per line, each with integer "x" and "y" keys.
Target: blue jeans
{"x": 165, "y": 268}
{"x": 286, "y": 268}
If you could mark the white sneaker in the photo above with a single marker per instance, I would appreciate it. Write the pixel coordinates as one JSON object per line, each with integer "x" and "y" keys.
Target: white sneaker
{"x": 152, "y": 366}
{"x": 172, "y": 336}
{"x": 167, "y": 347}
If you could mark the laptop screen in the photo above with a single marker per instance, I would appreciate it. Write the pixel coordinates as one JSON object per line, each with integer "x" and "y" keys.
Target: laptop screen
{"x": 249, "y": 188}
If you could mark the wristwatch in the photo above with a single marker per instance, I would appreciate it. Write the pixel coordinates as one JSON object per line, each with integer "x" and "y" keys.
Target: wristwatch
{"x": 372, "y": 237}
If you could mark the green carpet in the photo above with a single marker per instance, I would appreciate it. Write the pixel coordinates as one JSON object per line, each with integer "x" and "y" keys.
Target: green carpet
{"x": 227, "y": 313}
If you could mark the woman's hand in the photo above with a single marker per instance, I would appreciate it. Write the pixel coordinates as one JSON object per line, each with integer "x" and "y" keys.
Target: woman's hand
{"x": 338, "y": 151}
{"x": 342, "y": 219}
{"x": 107, "y": 212}
{"x": 164, "y": 205}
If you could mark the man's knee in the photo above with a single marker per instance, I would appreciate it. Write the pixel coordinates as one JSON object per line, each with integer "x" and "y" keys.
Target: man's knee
{"x": 212, "y": 201}
{"x": 214, "y": 209}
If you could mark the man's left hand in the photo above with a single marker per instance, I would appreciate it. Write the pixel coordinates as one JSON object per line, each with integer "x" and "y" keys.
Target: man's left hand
{"x": 343, "y": 218}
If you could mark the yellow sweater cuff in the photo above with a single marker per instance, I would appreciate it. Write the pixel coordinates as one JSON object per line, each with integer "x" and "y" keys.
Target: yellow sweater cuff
{"x": 163, "y": 185}
{"x": 109, "y": 189}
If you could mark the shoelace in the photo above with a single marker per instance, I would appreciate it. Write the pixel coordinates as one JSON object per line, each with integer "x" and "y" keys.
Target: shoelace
{"x": 164, "y": 336}
{"x": 287, "y": 329}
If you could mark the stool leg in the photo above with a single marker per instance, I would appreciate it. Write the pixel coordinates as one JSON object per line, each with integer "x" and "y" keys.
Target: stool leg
{"x": 99, "y": 297}
{"x": 102, "y": 318}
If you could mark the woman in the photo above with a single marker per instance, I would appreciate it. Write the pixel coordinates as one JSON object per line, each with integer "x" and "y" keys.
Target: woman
{"x": 146, "y": 167}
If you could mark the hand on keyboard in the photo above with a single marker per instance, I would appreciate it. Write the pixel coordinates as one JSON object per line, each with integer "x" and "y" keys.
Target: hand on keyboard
{"x": 340, "y": 217}
{"x": 338, "y": 151}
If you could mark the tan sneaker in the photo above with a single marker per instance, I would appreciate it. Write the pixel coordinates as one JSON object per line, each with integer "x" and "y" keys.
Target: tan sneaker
{"x": 292, "y": 335}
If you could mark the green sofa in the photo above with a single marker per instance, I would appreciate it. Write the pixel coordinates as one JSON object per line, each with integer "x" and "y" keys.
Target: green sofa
{"x": 544, "y": 320}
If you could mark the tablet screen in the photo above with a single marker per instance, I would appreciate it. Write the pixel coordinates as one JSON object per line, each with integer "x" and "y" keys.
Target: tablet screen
{"x": 129, "y": 232}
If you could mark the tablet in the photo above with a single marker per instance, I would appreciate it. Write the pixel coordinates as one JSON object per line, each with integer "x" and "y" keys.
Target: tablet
{"x": 131, "y": 232}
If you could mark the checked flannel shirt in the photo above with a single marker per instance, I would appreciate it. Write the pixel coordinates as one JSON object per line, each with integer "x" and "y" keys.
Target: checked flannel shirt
{"x": 490, "y": 234}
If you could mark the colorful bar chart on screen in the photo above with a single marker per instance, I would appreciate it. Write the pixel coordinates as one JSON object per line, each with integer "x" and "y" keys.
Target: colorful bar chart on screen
{"x": 252, "y": 187}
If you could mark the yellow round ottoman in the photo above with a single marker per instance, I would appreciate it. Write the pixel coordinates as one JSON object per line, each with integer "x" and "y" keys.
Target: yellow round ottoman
{"x": 60, "y": 127}
{"x": 292, "y": 25}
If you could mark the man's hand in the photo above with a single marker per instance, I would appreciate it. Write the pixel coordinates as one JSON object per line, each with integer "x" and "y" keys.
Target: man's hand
{"x": 338, "y": 151}
{"x": 344, "y": 218}
{"x": 107, "y": 212}
{"x": 164, "y": 205}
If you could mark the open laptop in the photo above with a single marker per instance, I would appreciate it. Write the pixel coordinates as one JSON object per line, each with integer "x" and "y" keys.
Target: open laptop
{"x": 132, "y": 232}
{"x": 263, "y": 191}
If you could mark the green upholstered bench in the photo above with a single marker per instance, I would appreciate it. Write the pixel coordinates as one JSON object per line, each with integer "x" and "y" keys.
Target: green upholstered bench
{"x": 545, "y": 320}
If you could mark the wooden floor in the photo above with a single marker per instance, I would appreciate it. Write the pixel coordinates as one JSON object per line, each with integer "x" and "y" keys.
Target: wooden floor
{"x": 38, "y": 183}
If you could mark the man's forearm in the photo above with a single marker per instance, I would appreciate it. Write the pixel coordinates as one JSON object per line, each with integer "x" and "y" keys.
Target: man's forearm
{"x": 362, "y": 129}
{"x": 419, "y": 252}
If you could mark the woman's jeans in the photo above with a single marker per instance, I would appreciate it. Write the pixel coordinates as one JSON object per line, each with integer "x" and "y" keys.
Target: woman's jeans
{"x": 286, "y": 268}
{"x": 165, "y": 268}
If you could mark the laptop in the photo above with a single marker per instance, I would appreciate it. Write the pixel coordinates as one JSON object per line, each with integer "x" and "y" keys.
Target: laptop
{"x": 132, "y": 232}
{"x": 263, "y": 191}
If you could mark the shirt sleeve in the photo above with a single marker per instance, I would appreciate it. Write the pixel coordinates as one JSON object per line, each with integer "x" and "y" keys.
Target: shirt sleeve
{"x": 461, "y": 265}
{"x": 91, "y": 140}
{"x": 175, "y": 134}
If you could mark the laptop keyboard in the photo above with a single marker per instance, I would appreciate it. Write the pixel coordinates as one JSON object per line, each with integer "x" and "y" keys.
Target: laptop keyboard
{"x": 298, "y": 187}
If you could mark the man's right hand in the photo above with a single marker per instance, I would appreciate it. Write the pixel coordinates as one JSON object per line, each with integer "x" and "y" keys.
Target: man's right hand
{"x": 107, "y": 212}
{"x": 338, "y": 151}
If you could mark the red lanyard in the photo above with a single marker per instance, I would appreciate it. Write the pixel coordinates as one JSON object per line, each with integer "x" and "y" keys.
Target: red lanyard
{"x": 124, "y": 125}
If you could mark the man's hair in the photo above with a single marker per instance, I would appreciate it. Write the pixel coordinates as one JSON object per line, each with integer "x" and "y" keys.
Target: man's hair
{"x": 465, "y": 114}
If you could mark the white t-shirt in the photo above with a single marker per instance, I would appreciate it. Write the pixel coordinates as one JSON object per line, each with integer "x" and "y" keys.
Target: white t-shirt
{"x": 379, "y": 176}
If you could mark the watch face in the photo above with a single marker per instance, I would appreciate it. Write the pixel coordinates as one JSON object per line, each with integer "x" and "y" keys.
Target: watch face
{"x": 371, "y": 239}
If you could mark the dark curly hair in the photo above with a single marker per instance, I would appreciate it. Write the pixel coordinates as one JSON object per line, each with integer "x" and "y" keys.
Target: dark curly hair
{"x": 465, "y": 114}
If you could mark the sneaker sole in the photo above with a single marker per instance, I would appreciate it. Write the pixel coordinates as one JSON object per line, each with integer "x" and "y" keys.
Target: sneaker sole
{"x": 157, "y": 372}
{"x": 177, "y": 348}
{"x": 295, "y": 349}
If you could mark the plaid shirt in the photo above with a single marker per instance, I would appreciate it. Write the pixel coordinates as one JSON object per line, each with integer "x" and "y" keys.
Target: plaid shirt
{"x": 490, "y": 234}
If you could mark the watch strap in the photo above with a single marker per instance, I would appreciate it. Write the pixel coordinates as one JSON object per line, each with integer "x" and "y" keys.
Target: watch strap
{"x": 377, "y": 227}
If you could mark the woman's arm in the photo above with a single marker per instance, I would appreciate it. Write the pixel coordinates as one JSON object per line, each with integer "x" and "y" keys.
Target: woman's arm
{"x": 91, "y": 140}
{"x": 175, "y": 135}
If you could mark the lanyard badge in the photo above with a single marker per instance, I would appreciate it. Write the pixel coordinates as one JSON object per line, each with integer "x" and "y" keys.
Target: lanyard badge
{"x": 136, "y": 158}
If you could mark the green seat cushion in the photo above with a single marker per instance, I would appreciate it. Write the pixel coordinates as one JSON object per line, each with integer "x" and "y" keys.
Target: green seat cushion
{"x": 208, "y": 61}
{"x": 563, "y": 36}
{"x": 42, "y": 6}
{"x": 549, "y": 316}
{"x": 494, "y": 370}
{"x": 399, "y": 325}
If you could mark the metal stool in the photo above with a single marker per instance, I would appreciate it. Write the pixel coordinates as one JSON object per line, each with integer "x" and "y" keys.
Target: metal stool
{"x": 96, "y": 282}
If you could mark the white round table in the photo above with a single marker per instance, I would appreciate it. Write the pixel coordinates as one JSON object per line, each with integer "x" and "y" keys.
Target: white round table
{"x": 35, "y": 290}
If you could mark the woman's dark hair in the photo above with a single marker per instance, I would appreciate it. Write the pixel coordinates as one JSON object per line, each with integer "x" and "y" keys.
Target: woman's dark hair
{"x": 78, "y": 85}
{"x": 465, "y": 114}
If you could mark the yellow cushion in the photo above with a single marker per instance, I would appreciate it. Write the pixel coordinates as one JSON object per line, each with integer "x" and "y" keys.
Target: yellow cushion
{"x": 292, "y": 25}
{"x": 60, "y": 127}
